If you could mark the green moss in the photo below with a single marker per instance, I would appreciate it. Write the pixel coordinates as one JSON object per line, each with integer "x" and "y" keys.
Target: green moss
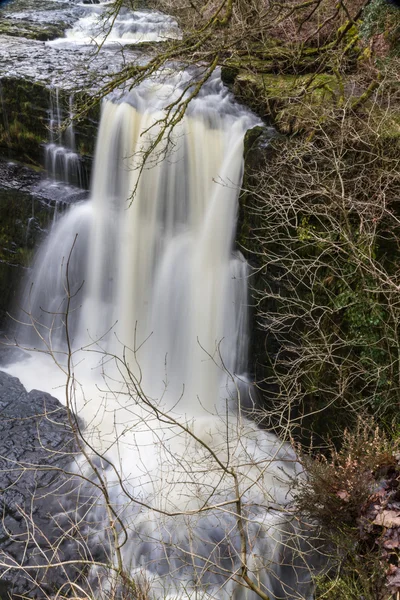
{"x": 229, "y": 74}
{"x": 387, "y": 123}
{"x": 288, "y": 86}
{"x": 24, "y": 120}
{"x": 289, "y": 101}
{"x": 299, "y": 103}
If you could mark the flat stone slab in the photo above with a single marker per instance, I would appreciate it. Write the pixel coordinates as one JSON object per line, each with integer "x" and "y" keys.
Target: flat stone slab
{"x": 79, "y": 69}
{"x": 21, "y": 178}
{"x": 31, "y": 30}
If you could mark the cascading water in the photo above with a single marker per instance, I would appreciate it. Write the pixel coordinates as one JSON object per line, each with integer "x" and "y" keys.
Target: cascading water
{"x": 141, "y": 289}
{"x": 62, "y": 162}
{"x": 98, "y": 27}
{"x": 157, "y": 274}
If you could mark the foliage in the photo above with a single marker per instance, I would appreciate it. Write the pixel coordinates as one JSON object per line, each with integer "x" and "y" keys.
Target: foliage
{"x": 380, "y": 17}
{"x": 353, "y": 494}
{"x": 322, "y": 229}
{"x": 339, "y": 487}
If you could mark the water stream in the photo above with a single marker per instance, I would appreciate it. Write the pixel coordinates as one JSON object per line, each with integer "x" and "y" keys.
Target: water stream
{"x": 62, "y": 162}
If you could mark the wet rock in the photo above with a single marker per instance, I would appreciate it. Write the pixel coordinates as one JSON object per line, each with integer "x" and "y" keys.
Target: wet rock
{"x": 36, "y": 448}
{"x": 71, "y": 70}
{"x": 257, "y": 153}
{"x": 29, "y": 30}
{"x": 29, "y": 205}
{"x": 24, "y": 120}
{"x": 23, "y": 220}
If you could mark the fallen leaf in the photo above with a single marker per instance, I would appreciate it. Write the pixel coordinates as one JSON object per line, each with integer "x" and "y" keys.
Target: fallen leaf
{"x": 388, "y": 518}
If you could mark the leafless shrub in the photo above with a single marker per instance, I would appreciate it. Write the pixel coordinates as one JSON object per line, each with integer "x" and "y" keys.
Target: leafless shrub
{"x": 322, "y": 229}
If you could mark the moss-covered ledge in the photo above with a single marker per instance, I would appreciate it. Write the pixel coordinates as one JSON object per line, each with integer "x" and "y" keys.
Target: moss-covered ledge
{"x": 24, "y": 122}
{"x": 290, "y": 102}
{"x": 300, "y": 103}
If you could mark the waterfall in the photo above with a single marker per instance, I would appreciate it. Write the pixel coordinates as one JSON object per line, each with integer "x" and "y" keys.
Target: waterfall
{"x": 153, "y": 254}
{"x": 62, "y": 162}
{"x": 142, "y": 286}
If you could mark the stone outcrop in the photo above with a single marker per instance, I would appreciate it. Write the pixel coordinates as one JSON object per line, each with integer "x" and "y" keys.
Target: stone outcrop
{"x": 36, "y": 448}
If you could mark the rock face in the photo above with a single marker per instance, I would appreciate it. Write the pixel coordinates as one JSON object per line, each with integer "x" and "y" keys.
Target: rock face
{"x": 25, "y": 120}
{"x": 28, "y": 207}
{"x": 257, "y": 152}
{"x": 36, "y": 446}
{"x": 21, "y": 28}
{"x": 23, "y": 219}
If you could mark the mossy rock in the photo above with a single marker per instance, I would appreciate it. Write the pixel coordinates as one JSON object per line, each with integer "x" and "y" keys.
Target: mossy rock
{"x": 24, "y": 122}
{"x": 291, "y": 102}
{"x": 23, "y": 119}
{"x": 274, "y": 57}
{"x": 300, "y": 103}
{"x": 23, "y": 219}
{"x": 33, "y": 31}
{"x": 258, "y": 150}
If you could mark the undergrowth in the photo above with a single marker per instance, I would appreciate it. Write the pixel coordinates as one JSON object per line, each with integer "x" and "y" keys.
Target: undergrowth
{"x": 354, "y": 495}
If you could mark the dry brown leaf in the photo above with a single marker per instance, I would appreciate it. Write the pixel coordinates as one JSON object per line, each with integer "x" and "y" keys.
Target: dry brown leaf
{"x": 388, "y": 518}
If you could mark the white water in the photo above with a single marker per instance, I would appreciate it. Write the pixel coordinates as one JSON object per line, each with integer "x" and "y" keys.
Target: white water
{"x": 158, "y": 331}
{"x": 62, "y": 162}
{"x": 99, "y": 26}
